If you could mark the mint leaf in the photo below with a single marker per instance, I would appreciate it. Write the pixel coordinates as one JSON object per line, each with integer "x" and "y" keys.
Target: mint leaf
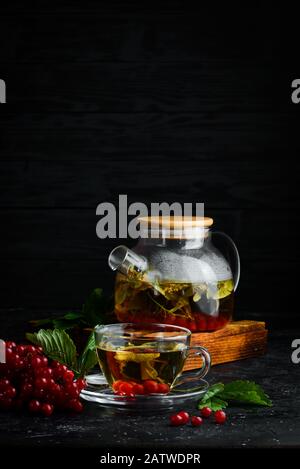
{"x": 57, "y": 345}
{"x": 215, "y": 403}
{"x": 240, "y": 391}
{"x": 212, "y": 391}
{"x": 247, "y": 392}
{"x": 72, "y": 315}
{"x": 88, "y": 358}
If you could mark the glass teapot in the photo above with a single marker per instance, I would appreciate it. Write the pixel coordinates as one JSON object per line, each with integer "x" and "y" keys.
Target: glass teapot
{"x": 175, "y": 275}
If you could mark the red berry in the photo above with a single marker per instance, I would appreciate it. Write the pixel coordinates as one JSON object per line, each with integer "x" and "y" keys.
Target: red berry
{"x": 196, "y": 421}
{"x": 10, "y": 392}
{"x": 4, "y": 383}
{"x": 206, "y": 412}
{"x": 10, "y": 344}
{"x": 34, "y": 405}
{"x": 68, "y": 376}
{"x": 220, "y": 417}
{"x": 75, "y": 405}
{"x": 81, "y": 383}
{"x": 26, "y": 390}
{"x": 163, "y": 388}
{"x": 44, "y": 361}
{"x": 47, "y": 409}
{"x": 40, "y": 383}
{"x": 176, "y": 420}
{"x": 36, "y": 362}
{"x": 138, "y": 389}
{"x": 116, "y": 385}
{"x": 21, "y": 350}
{"x": 184, "y": 415}
{"x": 31, "y": 349}
{"x": 72, "y": 389}
{"x": 150, "y": 386}
{"x": 125, "y": 388}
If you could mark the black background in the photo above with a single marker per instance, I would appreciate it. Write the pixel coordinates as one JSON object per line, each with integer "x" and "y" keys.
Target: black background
{"x": 162, "y": 102}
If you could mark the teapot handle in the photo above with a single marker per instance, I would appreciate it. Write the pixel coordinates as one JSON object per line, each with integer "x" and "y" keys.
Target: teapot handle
{"x": 237, "y": 262}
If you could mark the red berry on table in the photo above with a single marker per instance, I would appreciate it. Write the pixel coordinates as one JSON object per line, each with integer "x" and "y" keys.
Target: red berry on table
{"x": 176, "y": 420}
{"x": 163, "y": 388}
{"x": 184, "y": 415}
{"x": 47, "y": 409}
{"x": 75, "y": 405}
{"x": 220, "y": 416}
{"x": 206, "y": 412}
{"x": 34, "y": 405}
{"x": 150, "y": 386}
{"x": 196, "y": 421}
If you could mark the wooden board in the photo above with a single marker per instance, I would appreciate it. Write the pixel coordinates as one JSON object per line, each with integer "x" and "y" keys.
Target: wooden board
{"x": 237, "y": 341}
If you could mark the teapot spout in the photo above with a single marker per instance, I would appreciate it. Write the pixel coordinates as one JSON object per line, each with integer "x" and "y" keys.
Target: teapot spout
{"x": 123, "y": 259}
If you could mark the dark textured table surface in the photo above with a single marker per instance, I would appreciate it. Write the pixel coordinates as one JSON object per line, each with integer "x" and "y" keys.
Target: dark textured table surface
{"x": 278, "y": 426}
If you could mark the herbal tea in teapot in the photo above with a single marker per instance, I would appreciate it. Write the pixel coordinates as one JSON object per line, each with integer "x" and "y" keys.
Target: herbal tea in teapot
{"x": 199, "y": 307}
{"x": 175, "y": 276}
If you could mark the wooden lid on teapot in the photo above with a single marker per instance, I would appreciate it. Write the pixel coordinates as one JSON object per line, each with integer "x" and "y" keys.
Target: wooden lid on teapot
{"x": 177, "y": 222}
{"x": 185, "y": 227}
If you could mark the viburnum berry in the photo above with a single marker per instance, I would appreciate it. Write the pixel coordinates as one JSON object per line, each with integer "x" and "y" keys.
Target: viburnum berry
{"x": 176, "y": 420}
{"x": 163, "y": 388}
{"x": 138, "y": 389}
{"x": 76, "y": 405}
{"x": 220, "y": 417}
{"x": 184, "y": 415}
{"x": 47, "y": 409}
{"x": 150, "y": 386}
{"x": 81, "y": 383}
{"x": 29, "y": 378}
{"x": 125, "y": 388}
{"x": 206, "y": 412}
{"x": 68, "y": 376}
{"x": 34, "y": 405}
{"x": 196, "y": 421}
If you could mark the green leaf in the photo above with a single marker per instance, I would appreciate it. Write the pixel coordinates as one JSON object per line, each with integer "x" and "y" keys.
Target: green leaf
{"x": 88, "y": 358}
{"x": 215, "y": 403}
{"x": 72, "y": 315}
{"x": 212, "y": 391}
{"x": 40, "y": 322}
{"x": 61, "y": 323}
{"x": 247, "y": 392}
{"x": 211, "y": 399}
{"x": 57, "y": 345}
{"x": 94, "y": 308}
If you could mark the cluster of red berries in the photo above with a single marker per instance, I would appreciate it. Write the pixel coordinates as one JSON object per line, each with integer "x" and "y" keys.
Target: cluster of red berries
{"x": 182, "y": 418}
{"x": 131, "y": 388}
{"x": 28, "y": 379}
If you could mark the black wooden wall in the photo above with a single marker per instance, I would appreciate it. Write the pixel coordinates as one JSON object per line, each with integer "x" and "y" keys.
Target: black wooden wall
{"x": 163, "y": 103}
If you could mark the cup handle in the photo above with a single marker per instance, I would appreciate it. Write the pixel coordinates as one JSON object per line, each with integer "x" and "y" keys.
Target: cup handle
{"x": 237, "y": 262}
{"x": 196, "y": 351}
